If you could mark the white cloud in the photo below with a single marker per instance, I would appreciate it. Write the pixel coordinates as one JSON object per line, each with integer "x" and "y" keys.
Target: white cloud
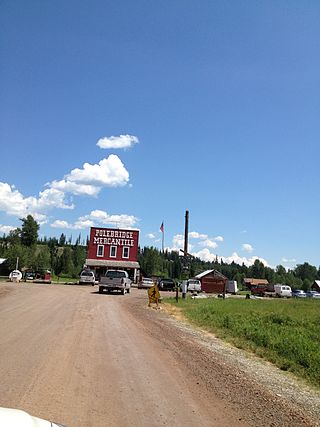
{"x": 196, "y": 235}
{"x": 78, "y": 225}
{"x": 60, "y": 224}
{"x": 178, "y": 241}
{"x": 6, "y": 228}
{"x": 97, "y": 218}
{"x": 247, "y": 261}
{"x": 75, "y": 188}
{"x": 247, "y": 247}
{"x": 292, "y": 260}
{"x": 109, "y": 172}
{"x": 205, "y": 241}
{"x": 205, "y": 255}
{"x": 88, "y": 181}
{"x": 121, "y": 141}
{"x": 208, "y": 256}
{"x": 14, "y": 203}
{"x": 151, "y": 236}
{"x": 209, "y": 244}
{"x": 103, "y": 217}
{"x": 51, "y": 198}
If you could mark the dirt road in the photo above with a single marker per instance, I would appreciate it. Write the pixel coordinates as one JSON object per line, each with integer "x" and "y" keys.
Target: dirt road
{"x": 74, "y": 356}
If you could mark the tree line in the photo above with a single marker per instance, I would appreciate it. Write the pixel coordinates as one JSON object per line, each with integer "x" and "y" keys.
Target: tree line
{"x": 66, "y": 259}
{"x": 60, "y": 256}
{"x": 170, "y": 264}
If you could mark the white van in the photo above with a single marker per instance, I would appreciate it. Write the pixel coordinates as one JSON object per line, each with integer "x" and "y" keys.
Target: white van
{"x": 282, "y": 291}
{"x": 232, "y": 287}
{"x": 87, "y": 277}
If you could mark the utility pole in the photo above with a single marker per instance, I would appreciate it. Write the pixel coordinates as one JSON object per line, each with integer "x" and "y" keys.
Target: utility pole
{"x": 185, "y": 251}
{"x": 186, "y": 232}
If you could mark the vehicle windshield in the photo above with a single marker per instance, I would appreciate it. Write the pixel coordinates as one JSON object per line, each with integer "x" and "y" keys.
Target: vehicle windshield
{"x": 193, "y": 282}
{"x": 87, "y": 273}
{"x": 115, "y": 274}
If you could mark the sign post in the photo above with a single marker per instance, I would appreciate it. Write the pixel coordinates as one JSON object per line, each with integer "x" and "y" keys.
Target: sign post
{"x": 153, "y": 295}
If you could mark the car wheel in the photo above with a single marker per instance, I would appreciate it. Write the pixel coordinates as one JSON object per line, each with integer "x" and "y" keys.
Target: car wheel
{"x": 128, "y": 290}
{"x": 123, "y": 292}
{"x": 100, "y": 290}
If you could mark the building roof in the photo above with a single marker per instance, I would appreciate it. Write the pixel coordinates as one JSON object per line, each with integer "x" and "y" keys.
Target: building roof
{"x": 2, "y": 260}
{"x": 215, "y": 272}
{"x": 111, "y": 263}
{"x": 252, "y": 281}
{"x": 316, "y": 284}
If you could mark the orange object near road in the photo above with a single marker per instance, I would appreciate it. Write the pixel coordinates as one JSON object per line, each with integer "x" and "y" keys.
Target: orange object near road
{"x": 154, "y": 295}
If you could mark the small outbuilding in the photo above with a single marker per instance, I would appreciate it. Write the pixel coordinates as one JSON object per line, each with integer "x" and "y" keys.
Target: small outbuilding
{"x": 212, "y": 281}
{"x": 249, "y": 282}
{"x": 316, "y": 286}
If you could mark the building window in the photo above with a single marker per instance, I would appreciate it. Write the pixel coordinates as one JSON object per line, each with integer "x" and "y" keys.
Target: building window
{"x": 113, "y": 251}
{"x": 100, "y": 250}
{"x": 125, "y": 252}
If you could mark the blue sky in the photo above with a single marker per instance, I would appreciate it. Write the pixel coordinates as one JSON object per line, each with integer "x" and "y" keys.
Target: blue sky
{"x": 216, "y": 106}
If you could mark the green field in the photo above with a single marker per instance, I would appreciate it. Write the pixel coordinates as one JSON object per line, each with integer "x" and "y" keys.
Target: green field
{"x": 284, "y": 332}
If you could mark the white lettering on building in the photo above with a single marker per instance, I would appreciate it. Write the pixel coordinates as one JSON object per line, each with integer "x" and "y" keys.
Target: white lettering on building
{"x": 113, "y": 237}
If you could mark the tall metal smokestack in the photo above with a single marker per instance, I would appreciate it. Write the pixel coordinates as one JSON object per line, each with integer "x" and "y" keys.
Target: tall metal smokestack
{"x": 186, "y": 232}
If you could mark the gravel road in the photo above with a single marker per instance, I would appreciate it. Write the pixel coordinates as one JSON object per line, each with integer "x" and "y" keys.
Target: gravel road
{"x": 83, "y": 359}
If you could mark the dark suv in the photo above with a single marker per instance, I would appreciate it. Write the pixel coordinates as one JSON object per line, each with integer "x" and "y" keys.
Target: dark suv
{"x": 166, "y": 285}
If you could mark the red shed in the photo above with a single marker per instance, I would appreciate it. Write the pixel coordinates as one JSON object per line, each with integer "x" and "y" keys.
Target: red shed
{"x": 212, "y": 281}
{"x": 113, "y": 248}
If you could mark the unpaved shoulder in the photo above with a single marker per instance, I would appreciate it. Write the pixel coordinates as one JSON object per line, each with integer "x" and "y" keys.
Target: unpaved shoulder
{"x": 5, "y": 289}
{"x": 261, "y": 394}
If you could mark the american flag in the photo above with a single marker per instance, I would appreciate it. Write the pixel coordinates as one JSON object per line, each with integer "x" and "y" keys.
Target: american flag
{"x": 162, "y": 228}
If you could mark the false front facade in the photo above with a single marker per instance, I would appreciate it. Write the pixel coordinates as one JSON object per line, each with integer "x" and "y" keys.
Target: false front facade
{"x": 111, "y": 248}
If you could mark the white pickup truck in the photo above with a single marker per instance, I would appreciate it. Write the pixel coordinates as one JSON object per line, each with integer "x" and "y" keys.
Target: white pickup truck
{"x": 191, "y": 285}
{"x": 115, "y": 280}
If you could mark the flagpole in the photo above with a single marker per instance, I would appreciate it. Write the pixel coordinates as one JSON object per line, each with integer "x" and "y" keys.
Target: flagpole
{"x": 163, "y": 238}
{"x": 162, "y": 231}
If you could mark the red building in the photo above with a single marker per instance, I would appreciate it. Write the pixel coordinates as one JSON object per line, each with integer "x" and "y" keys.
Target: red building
{"x": 212, "y": 281}
{"x": 113, "y": 248}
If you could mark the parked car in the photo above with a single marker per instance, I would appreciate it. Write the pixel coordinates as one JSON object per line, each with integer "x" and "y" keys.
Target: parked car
{"x": 29, "y": 275}
{"x": 15, "y": 276}
{"x": 87, "y": 277}
{"x": 166, "y": 285}
{"x": 313, "y": 294}
{"x": 146, "y": 282}
{"x": 298, "y": 293}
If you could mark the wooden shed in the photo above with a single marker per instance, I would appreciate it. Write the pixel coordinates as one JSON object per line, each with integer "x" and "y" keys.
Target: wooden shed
{"x": 212, "y": 281}
{"x": 249, "y": 282}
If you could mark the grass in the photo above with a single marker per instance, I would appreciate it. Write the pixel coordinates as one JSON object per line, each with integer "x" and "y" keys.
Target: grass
{"x": 284, "y": 332}
{"x": 64, "y": 279}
